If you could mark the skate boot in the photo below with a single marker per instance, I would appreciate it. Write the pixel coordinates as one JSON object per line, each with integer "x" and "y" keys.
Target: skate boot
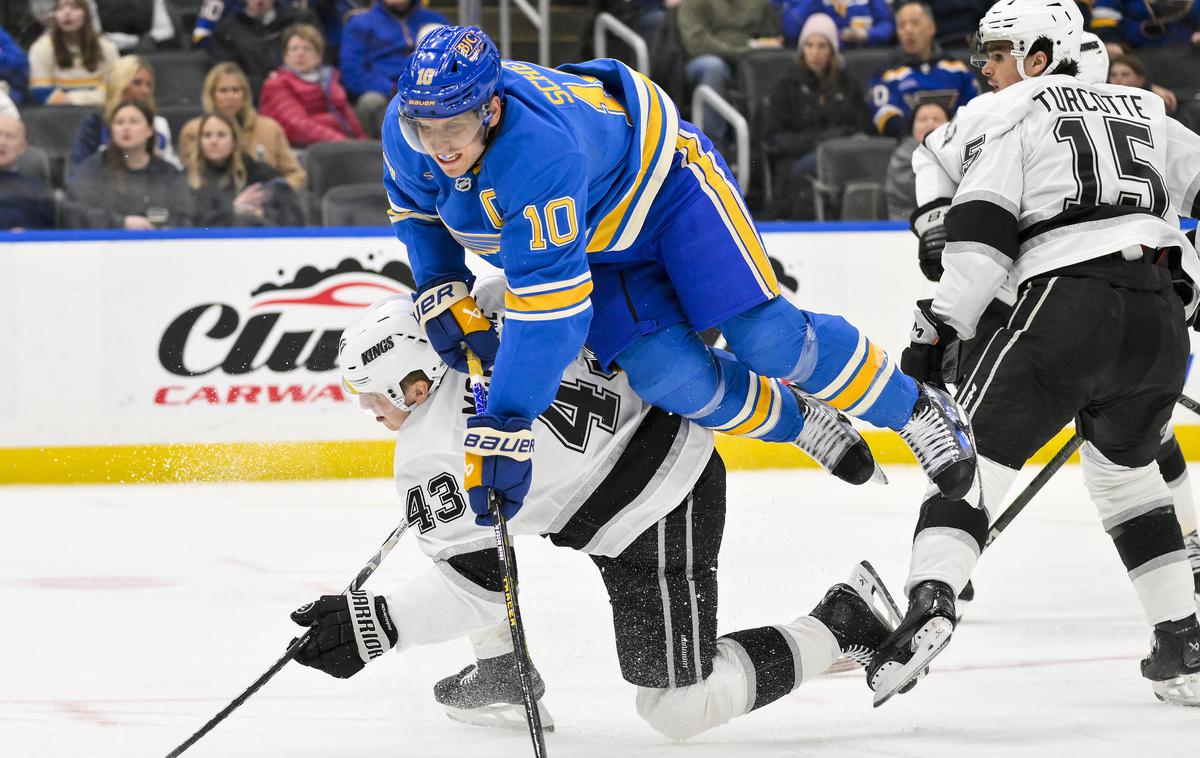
{"x": 924, "y": 632}
{"x": 940, "y": 437}
{"x": 964, "y": 597}
{"x": 859, "y": 630}
{"x": 1173, "y": 666}
{"x": 830, "y": 440}
{"x": 1191, "y": 543}
{"x": 488, "y": 693}
{"x": 875, "y": 597}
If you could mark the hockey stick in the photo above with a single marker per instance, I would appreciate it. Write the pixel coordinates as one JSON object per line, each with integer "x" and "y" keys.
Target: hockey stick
{"x": 1189, "y": 403}
{"x": 295, "y": 645}
{"x": 515, "y": 626}
{"x": 1039, "y": 481}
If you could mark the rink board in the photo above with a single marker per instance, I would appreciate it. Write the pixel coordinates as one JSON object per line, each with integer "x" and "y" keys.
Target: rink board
{"x": 202, "y": 355}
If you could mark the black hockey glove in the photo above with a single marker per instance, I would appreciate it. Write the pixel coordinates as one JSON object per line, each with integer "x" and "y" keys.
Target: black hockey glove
{"x": 929, "y": 224}
{"x": 348, "y": 631}
{"x": 932, "y": 355}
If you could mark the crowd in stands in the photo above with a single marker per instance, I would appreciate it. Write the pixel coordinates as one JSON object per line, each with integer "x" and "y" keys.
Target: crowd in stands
{"x": 283, "y": 78}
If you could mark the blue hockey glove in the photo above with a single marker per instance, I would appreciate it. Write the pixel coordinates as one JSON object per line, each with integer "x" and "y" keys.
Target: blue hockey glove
{"x": 452, "y": 318}
{"x": 348, "y": 631}
{"x": 932, "y": 355}
{"x": 499, "y": 457}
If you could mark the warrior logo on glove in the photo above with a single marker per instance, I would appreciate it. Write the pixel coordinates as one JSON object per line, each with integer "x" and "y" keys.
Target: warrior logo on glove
{"x": 346, "y": 632}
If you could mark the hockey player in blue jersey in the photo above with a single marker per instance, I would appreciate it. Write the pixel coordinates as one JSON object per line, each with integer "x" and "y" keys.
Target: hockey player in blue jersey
{"x": 618, "y": 224}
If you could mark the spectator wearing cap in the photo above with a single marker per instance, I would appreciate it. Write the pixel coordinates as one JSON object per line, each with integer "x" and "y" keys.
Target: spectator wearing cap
{"x": 306, "y": 97}
{"x": 376, "y": 46}
{"x": 922, "y": 72}
{"x": 26, "y": 202}
{"x": 814, "y": 102}
{"x": 859, "y": 22}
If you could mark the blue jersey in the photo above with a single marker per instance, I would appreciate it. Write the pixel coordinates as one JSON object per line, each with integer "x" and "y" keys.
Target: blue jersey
{"x": 566, "y": 182}
{"x": 897, "y": 91}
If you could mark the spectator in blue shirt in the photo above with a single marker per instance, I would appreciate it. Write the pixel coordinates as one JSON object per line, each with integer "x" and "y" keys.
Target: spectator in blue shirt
{"x": 14, "y": 68}
{"x": 1146, "y": 23}
{"x": 922, "y": 73}
{"x": 859, "y": 22}
{"x": 26, "y": 202}
{"x": 375, "y": 47}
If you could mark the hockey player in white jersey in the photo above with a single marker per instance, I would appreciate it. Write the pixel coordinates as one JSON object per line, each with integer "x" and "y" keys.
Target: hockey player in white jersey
{"x": 937, "y": 164}
{"x": 638, "y": 489}
{"x": 1070, "y": 194}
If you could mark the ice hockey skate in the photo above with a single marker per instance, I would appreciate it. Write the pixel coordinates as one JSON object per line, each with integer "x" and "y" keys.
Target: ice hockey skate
{"x": 857, "y": 634}
{"x": 1173, "y": 666}
{"x": 904, "y": 657}
{"x": 940, "y": 436}
{"x": 488, "y": 693}
{"x": 830, "y": 440}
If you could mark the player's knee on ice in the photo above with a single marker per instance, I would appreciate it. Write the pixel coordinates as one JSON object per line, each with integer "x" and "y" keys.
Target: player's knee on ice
{"x": 684, "y": 712}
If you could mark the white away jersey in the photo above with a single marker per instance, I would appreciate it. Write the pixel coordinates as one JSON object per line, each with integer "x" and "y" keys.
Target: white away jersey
{"x": 607, "y": 466}
{"x": 1054, "y": 171}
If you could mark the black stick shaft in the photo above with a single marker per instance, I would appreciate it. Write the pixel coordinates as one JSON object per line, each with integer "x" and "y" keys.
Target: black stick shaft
{"x": 294, "y": 647}
{"x": 1033, "y": 487}
{"x": 1189, "y": 403}
{"x": 503, "y": 547}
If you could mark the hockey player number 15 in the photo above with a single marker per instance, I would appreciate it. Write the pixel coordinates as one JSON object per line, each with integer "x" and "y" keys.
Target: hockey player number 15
{"x": 559, "y": 215}
{"x": 1141, "y": 184}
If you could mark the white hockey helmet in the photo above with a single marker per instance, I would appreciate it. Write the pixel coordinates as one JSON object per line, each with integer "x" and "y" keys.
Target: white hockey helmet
{"x": 384, "y": 345}
{"x": 1093, "y": 59}
{"x": 1024, "y": 22}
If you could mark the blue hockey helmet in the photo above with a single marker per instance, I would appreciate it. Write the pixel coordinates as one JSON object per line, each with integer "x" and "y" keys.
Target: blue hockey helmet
{"x": 454, "y": 70}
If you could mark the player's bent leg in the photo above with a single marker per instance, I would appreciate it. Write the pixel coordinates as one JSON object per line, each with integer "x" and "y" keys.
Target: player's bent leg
{"x": 673, "y": 369}
{"x": 829, "y": 358}
{"x": 949, "y": 538}
{"x": 756, "y": 667}
{"x": 1173, "y": 467}
{"x": 1135, "y": 508}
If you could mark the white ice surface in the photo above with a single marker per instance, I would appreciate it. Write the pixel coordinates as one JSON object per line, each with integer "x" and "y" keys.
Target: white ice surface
{"x": 134, "y": 613}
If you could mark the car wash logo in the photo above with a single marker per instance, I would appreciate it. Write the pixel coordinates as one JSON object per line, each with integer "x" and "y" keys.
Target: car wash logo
{"x": 267, "y": 348}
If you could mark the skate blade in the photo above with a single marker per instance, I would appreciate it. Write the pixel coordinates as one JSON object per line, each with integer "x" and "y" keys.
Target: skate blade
{"x": 1182, "y": 690}
{"x": 842, "y": 665}
{"x": 870, "y": 587}
{"x": 892, "y": 677}
{"x": 877, "y": 476}
{"x": 499, "y": 716}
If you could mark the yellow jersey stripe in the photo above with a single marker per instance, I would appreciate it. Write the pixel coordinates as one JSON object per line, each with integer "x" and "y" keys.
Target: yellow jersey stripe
{"x": 729, "y": 204}
{"x": 881, "y": 380}
{"x": 858, "y": 387}
{"x": 844, "y": 375}
{"x": 549, "y": 315}
{"x": 652, "y": 135}
{"x": 762, "y": 408}
{"x": 534, "y": 289}
{"x": 548, "y": 301}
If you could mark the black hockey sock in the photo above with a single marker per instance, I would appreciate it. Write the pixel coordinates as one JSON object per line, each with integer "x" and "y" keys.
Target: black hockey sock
{"x": 1170, "y": 460}
{"x": 774, "y": 664}
{"x": 1148, "y": 537}
{"x": 939, "y": 511}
